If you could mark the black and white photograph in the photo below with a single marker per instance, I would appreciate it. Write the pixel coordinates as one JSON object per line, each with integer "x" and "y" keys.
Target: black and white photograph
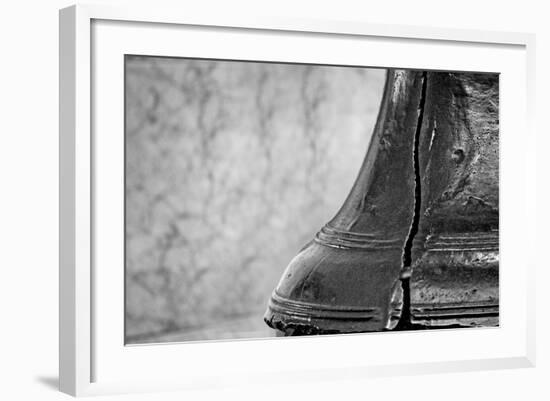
{"x": 267, "y": 199}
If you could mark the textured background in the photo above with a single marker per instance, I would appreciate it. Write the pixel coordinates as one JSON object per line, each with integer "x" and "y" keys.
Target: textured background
{"x": 231, "y": 167}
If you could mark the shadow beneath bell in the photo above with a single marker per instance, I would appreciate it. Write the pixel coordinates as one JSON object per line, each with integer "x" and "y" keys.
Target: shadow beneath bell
{"x": 52, "y": 382}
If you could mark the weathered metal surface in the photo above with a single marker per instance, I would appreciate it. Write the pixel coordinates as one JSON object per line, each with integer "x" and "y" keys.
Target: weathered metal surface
{"x": 424, "y": 208}
{"x": 347, "y": 279}
{"x": 455, "y": 256}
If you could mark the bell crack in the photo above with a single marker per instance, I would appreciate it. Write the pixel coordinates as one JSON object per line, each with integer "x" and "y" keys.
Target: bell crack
{"x": 405, "y": 319}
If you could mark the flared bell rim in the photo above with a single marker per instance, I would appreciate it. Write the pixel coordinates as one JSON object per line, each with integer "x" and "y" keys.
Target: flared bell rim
{"x": 470, "y": 314}
{"x": 284, "y": 314}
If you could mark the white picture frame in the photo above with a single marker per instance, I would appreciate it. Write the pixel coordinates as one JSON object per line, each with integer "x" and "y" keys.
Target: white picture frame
{"x": 93, "y": 358}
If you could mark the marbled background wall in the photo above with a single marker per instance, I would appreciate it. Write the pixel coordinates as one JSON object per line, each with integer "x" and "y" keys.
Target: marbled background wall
{"x": 231, "y": 167}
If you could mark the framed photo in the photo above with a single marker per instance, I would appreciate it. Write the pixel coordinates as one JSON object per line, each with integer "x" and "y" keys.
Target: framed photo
{"x": 233, "y": 190}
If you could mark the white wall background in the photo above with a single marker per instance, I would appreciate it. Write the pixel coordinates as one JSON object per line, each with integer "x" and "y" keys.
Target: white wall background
{"x": 28, "y": 202}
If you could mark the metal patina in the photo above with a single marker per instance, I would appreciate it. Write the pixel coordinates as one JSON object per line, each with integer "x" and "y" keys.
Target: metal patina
{"x": 455, "y": 257}
{"x": 347, "y": 279}
{"x": 415, "y": 244}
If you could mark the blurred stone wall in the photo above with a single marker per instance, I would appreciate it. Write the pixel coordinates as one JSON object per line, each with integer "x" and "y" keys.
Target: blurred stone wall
{"x": 231, "y": 167}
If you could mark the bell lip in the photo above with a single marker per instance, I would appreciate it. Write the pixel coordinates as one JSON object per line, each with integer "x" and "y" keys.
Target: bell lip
{"x": 285, "y": 306}
{"x": 284, "y": 314}
{"x": 430, "y": 322}
{"x": 455, "y": 309}
{"x": 463, "y": 314}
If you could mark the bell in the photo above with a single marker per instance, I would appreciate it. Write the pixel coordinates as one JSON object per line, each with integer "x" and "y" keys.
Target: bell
{"x": 415, "y": 244}
{"x": 455, "y": 256}
{"x": 347, "y": 279}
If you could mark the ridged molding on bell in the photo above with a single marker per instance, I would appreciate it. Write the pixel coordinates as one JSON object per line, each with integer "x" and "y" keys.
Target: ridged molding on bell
{"x": 455, "y": 255}
{"x": 347, "y": 279}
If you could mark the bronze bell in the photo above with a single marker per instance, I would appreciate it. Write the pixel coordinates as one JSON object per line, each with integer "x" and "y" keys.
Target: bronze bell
{"x": 416, "y": 241}
{"x": 455, "y": 257}
{"x": 348, "y": 278}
